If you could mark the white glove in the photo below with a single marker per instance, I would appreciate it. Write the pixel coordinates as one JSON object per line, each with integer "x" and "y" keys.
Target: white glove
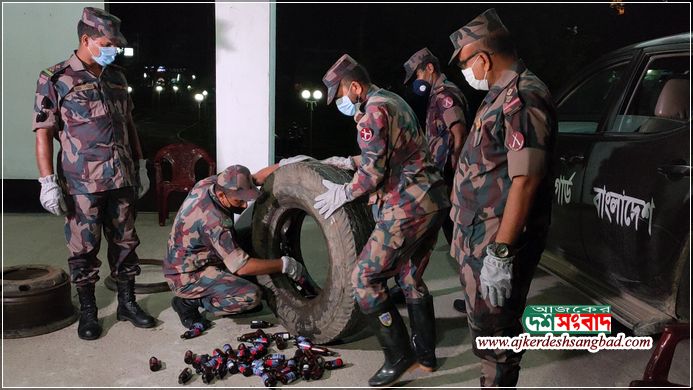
{"x": 144, "y": 179}
{"x": 495, "y": 277}
{"x": 292, "y": 268}
{"x": 294, "y": 159}
{"x": 331, "y": 200}
{"x": 340, "y": 162}
{"x": 51, "y": 195}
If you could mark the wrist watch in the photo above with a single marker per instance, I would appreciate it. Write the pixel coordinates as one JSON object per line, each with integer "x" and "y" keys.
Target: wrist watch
{"x": 500, "y": 249}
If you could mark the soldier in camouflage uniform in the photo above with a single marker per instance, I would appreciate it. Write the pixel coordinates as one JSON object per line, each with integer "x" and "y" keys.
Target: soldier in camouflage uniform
{"x": 204, "y": 264}
{"x": 83, "y": 102}
{"x": 501, "y": 198}
{"x": 409, "y": 201}
{"x": 446, "y": 124}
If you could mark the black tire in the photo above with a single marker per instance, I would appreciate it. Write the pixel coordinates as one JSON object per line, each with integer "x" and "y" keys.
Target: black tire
{"x": 36, "y": 300}
{"x": 142, "y": 288}
{"x": 288, "y": 195}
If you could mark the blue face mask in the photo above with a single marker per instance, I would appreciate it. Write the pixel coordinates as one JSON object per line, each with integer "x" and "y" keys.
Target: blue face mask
{"x": 421, "y": 87}
{"x": 345, "y": 106}
{"x": 106, "y": 55}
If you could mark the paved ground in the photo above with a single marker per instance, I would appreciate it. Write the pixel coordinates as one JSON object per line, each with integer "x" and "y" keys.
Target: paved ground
{"x": 120, "y": 357}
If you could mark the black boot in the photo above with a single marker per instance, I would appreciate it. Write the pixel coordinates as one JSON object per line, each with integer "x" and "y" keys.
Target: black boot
{"x": 423, "y": 331}
{"x": 89, "y": 328}
{"x": 389, "y": 328}
{"x": 128, "y": 309}
{"x": 460, "y": 305}
{"x": 187, "y": 310}
{"x": 396, "y": 295}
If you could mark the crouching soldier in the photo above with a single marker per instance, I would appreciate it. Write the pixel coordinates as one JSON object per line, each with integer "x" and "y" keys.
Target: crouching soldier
{"x": 204, "y": 264}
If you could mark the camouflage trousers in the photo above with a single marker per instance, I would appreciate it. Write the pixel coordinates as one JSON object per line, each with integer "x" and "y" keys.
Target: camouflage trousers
{"x": 222, "y": 292}
{"x": 398, "y": 248}
{"x": 114, "y": 212}
{"x": 499, "y": 367}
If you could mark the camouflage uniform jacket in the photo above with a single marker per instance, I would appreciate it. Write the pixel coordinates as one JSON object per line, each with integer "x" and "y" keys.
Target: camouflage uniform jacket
{"x": 396, "y": 167}
{"x": 513, "y": 134}
{"x": 446, "y": 107}
{"x": 90, "y": 116}
{"x": 202, "y": 234}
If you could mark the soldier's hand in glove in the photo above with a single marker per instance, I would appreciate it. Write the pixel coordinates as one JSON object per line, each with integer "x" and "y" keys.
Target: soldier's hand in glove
{"x": 51, "y": 195}
{"x": 331, "y": 200}
{"x": 495, "y": 278}
{"x": 340, "y": 162}
{"x": 292, "y": 268}
{"x": 294, "y": 159}
{"x": 144, "y": 179}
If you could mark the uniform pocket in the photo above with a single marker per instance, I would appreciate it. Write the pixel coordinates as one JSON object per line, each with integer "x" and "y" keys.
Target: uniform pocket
{"x": 83, "y": 104}
{"x": 462, "y": 216}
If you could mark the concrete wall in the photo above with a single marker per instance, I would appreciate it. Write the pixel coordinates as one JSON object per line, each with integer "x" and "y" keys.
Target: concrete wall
{"x": 245, "y": 56}
{"x": 35, "y": 36}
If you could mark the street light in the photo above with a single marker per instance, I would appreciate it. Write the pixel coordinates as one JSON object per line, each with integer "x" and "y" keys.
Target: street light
{"x": 199, "y": 98}
{"x": 158, "y": 89}
{"x": 129, "y": 89}
{"x": 311, "y": 102}
{"x": 204, "y": 93}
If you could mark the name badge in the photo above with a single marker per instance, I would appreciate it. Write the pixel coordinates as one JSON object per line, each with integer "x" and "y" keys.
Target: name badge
{"x": 85, "y": 87}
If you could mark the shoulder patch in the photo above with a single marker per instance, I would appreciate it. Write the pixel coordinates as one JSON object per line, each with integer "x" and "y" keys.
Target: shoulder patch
{"x": 366, "y": 134}
{"x": 54, "y": 70}
{"x": 516, "y": 142}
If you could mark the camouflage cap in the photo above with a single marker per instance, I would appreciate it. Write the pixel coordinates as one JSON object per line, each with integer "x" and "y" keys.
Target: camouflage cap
{"x": 237, "y": 182}
{"x": 478, "y": 28}
{"x": 335, "y": 74}
{"x": 417, "y": 59}
{"x": 108, "y": 25}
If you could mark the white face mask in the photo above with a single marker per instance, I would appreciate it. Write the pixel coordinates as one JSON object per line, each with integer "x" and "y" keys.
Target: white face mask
{"x": 468, "y": 73}
{"x": 346, "y": 107}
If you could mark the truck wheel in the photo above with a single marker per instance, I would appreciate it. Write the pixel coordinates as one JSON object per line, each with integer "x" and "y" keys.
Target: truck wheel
{"x": 36, "y": 300}
{"x": 142, "y": 288}
{"x": 288, "y": 196}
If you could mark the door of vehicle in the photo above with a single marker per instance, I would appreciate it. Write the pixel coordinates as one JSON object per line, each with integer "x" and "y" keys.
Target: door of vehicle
{"x": 581, "y": 113}
{"x": 636, "y": 184}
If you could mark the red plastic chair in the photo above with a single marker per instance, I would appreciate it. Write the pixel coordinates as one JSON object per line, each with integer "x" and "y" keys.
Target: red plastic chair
{"x": 657, "y": 370}
{"x": 182, "y": 158}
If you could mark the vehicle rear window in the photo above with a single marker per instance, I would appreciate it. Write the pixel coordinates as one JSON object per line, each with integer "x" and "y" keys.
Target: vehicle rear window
{"x": 662, "y": 97}
{"x": 586, "y": 105}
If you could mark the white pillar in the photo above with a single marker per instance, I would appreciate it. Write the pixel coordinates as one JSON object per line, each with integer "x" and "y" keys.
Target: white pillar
{"x": 245, "y": 58}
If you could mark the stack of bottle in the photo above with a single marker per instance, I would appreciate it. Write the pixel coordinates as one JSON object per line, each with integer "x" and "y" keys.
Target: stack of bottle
{"x": 253, "y": 358}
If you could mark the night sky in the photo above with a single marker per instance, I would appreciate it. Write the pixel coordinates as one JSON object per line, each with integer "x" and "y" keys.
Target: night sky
{"x": 310, "y": 37}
